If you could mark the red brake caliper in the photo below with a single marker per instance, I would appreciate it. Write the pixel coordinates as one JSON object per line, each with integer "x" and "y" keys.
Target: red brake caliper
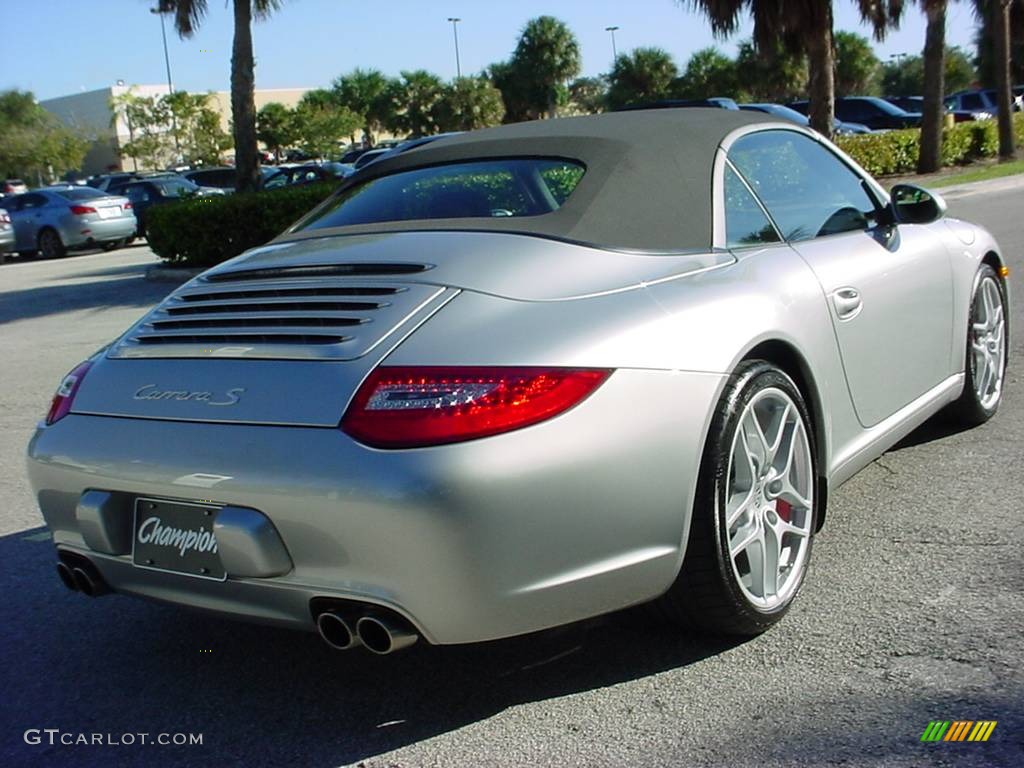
{"x": 784, "y": 510}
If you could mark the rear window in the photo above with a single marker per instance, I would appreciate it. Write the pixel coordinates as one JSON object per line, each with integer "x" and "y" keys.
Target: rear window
{"x": 479, "y": 189}
{"x": 81, "y": 193}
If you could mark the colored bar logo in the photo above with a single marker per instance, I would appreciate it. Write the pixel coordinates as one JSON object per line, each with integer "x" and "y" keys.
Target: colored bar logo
{"x": 958, "y": 730}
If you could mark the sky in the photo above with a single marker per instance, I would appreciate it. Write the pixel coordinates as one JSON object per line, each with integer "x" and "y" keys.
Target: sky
{"x": 60, "y": 47}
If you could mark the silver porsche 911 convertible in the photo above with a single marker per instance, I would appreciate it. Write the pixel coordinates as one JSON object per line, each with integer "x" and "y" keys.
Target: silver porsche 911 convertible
{"x": 523, "y": 376}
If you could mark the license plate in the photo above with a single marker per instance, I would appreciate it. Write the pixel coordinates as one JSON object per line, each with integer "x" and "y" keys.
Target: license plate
{"x": 176, "y": 536}
{"x": 109, "y": 213}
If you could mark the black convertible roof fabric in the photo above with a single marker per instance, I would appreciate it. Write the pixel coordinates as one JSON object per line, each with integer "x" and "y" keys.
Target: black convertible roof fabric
{"x": 647, "y": 184}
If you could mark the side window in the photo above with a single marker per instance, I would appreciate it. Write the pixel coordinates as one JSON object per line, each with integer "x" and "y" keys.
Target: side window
{"x": 972, "y": 101}
{"x": 745, "y": 222}
{"x": 808, "y": 191}
{"x": 33, "y": 201}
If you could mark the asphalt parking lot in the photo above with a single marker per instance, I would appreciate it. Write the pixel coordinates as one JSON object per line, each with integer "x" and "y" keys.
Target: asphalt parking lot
{"x": 912, "y": 612}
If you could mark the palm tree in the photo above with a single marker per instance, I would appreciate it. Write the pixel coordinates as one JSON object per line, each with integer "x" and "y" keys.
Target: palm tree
{"x": 646, "y": 74}
{"x": 996, "y": 14}
{"x": 188, "y": 14}
{"x": 802, "y": 26}
{"x": 547, "y": 56}
{"x": 929, "y": 159}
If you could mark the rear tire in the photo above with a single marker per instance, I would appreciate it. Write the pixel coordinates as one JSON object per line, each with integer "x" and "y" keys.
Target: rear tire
{"x": 50, "y": 244}
{"x": 755, "y": 511}
{"x": 986, "y": 351}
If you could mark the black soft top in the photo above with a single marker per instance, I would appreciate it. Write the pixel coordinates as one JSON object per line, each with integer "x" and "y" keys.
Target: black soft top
{"x": 647, "y": 184}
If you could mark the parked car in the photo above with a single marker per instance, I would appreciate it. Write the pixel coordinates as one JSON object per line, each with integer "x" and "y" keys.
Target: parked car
{"x": 916, "y": 104}
{"x": 352, "y": 155}
{"x": 223, "y": 178}
{"x": 716, "y": 102}
{"x": 978, "y": 101}
{"x": 785, "y": 113}
{"x": 368, "y": 157}
{"x": 875, "y": 113}
{"x": 6, "y": 232}
{"x": 369, "y": 426}
{"x": 307, "y": 174}
{"x": 12, "y": 187}
{"x": 114, "y": 183}
{"x": 54, "y": 220}
{"x": 145, "y": 194}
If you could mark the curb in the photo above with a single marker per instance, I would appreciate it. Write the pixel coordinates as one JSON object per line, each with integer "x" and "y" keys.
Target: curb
{"x": 158, "y": 273}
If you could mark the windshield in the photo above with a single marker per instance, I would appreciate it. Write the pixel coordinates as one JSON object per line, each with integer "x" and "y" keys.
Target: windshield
{"x": 479, "y": 189}
{"x": 81, "y": 193}
{"x": 176, "y": 187}
{"x": 886, "y": 107}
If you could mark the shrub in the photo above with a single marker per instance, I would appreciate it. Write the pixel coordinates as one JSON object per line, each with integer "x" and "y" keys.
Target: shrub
{"x": 204, "y": 231}
{"x": 884, "y": 154}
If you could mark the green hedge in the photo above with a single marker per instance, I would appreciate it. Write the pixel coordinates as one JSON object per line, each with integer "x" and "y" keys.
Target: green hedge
{"x": 883, "y": 154}
{"x": 204, "y": 231}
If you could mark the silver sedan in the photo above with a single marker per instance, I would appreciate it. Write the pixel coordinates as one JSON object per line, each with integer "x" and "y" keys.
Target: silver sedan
{"x": 54, "y": 220}
{"x": 524, "y": 376}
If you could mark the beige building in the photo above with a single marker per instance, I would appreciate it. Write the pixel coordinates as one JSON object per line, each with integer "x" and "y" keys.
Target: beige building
{"x": 90, "y": 113}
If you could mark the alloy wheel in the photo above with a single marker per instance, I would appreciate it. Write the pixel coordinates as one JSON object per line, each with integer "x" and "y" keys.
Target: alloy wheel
{"x": 769, "y": 504}
{"x": 988, "y": 343}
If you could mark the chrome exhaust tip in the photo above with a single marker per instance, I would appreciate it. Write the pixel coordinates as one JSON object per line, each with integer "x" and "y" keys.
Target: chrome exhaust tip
{"x": 336, "y": 631}
{"x": 88, "y": 582}
{"x": 383, "y": 635}
{"x": 67, "y": 577}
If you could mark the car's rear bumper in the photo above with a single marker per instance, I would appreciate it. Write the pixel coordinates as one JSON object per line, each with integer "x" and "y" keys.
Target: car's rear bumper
{"x": 6, "y": 240}
{"x": 98, "y": 231}
{"x": 578, "y": 516}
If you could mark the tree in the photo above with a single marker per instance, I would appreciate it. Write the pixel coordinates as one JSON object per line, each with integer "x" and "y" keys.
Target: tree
{"x": 318, "y": 127}
{"x": 188, "y": 14}
{"x": 587, "y": 95}
{"x": 985, "y": 42}
{"x": 161, "y": 127}
{"x": 546, "y": 56}
{"x": 275, "y": 127}
{"x": 709, "y": 72}
{"x": 802, "y": 27}
{"x": 33, "y": 143}
{"x": 149, "y": 126}
{"x": 857, "y": 67}
{"x": 514, "y": 91}
{"x": 369, "y": 93}
{"x": 929, "y": 158}
{"x": 906, "y": 78}
{"x": 195, "y": 125}
{"x": 416, "y": 97}
{"x": 773, "y": 75}
{"x": 469, "y": 103}
{"x": 997, "y": 16}
{"x": 646, "y": 74}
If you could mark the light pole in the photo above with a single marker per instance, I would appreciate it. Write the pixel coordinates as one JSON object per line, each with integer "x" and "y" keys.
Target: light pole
{"x": 898, "y": 56}
{"x": 615, "y": 53}
{"x": 170, "y": 84}
{"x": 455, "y": 31}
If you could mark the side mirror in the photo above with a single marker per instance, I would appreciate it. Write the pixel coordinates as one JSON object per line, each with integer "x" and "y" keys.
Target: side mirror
{"x": 915, "y": 205}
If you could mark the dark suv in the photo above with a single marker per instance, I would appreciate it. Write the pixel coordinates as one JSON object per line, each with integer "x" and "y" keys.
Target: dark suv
{"x": 873, "y": 112}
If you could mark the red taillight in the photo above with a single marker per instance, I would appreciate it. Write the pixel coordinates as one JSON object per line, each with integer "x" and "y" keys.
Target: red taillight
{"x": 414, "y": 407}
{"x": 81, "y": 210}
{"x": 61, "y": 405}
{"x": 127, "y": 206}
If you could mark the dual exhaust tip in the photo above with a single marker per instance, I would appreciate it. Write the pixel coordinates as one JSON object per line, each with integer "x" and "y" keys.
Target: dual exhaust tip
{"x": 379, "y": 634}
{"x": 82, "y": 577}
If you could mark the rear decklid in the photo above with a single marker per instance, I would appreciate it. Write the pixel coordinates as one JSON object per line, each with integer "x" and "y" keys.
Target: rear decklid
{"x": 285, "y": 333}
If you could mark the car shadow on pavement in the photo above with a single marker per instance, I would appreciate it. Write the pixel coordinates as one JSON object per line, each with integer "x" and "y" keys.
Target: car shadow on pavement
{"x": 938, "y": 427}
{"x": 53, "y": 299}
{"x": 265, "y": 696}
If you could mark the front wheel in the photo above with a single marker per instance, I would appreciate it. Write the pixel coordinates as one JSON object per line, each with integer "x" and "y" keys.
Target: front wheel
{"x": 755, "y": 511}
{"x": 985, "y": 362}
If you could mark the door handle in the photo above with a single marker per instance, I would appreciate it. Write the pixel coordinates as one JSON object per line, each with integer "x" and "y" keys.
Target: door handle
{"x": 848, "y": 303}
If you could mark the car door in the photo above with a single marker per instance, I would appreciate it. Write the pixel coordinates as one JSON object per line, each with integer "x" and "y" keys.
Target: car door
{"x": 889, "y": 288}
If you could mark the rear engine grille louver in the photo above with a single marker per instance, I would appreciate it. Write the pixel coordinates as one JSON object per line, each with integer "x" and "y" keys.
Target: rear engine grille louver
{"x": 280, "y": 312}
